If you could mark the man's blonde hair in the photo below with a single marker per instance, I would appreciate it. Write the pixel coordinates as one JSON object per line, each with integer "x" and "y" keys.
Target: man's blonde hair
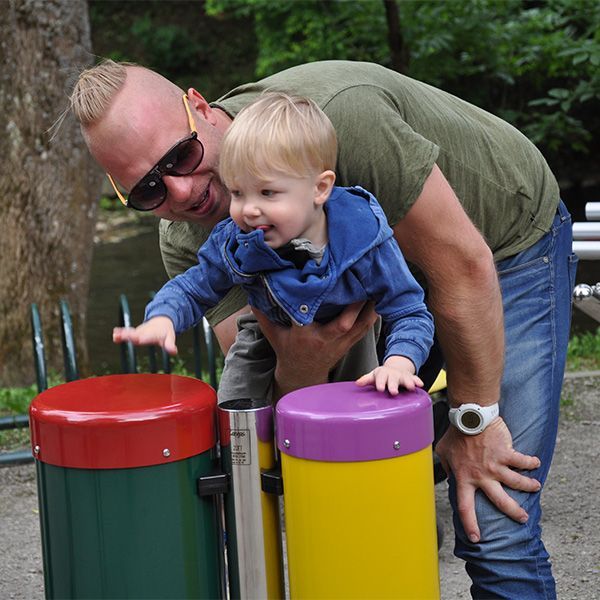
{"x": 278, "y": 133}
{"x": 96, "y": 88}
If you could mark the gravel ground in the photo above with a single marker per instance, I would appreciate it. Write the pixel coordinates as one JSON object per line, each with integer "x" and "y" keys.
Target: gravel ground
{"x": 570, "y": 522}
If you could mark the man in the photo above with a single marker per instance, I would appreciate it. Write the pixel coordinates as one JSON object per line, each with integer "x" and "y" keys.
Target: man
{"x": 473, "y": 206}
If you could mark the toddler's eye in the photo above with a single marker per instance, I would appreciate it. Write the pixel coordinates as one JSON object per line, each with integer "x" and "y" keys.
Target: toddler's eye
{"x": 267, "y": 193}
{"x": 236, "y": 193}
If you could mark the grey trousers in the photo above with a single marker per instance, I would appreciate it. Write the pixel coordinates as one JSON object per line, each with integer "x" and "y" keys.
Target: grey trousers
{"x": 250, "y": 363}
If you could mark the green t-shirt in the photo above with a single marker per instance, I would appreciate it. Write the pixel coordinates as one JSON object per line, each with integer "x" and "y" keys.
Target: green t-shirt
{"x": 391, "y": 130}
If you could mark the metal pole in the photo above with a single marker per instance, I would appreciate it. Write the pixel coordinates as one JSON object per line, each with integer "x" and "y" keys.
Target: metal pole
{"x": 586, "y": 231}
{"x": 592, "y": 211}
{"x": 587, "y": 250}
{"x": 252, "y": 515}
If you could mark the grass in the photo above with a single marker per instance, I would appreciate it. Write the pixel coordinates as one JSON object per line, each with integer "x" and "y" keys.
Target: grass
{"x": 584, "y": 352}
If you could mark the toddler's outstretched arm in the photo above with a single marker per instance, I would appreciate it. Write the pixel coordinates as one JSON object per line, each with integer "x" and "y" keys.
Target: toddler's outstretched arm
{"x": 157, "y": 331}
{"x": 396, "y": 372}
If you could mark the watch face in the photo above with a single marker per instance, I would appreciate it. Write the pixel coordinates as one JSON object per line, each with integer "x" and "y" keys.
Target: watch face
{"x": 471, "y": 419}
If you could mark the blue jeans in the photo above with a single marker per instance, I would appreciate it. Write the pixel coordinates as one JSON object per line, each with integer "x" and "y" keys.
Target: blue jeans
{"x": 510, "y": 560}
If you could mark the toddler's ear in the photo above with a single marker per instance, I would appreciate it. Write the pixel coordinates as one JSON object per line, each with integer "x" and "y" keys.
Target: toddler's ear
{"x": 323, "y": 186}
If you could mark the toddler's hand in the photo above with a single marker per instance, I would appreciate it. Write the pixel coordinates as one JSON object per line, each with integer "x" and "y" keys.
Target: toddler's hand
{"x": 397, "y": 372}
{"x": 158, "y": 331}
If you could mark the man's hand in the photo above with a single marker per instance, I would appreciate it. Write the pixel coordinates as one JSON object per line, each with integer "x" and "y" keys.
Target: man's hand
{"x": 396, "y": 372}
{"x": 158, "y": 331}
{"x": 484, "y": 462}
{"x": 305, "y": 355}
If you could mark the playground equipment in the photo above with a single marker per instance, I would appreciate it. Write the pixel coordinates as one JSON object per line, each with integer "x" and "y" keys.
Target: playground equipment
{"x": 118, "y": 459}
{"x": 359, "y": 500}
{"x": 254, "y": 548}
{"x": 239, "y": 482}
{"x": 129, "y": 485}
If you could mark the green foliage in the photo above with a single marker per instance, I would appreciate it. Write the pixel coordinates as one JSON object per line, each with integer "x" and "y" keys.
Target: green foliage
{"x": 177, "y": 39}
{"x": 168, "y": 47}
{"x": 534, "y": 64}
{"x": 584, "y": 351}
{"x": 290, "y": 33}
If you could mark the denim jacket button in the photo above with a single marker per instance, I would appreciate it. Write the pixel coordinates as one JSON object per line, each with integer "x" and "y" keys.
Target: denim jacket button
{"x": 303, "y": 309}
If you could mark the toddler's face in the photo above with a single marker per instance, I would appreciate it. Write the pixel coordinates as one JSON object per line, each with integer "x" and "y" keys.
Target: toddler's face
{"x": 284, "y": 207}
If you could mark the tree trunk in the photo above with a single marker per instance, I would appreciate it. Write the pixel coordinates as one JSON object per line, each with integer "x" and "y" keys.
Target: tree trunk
{"x": 48, "y": 188}
{"x": 399, "y": 53}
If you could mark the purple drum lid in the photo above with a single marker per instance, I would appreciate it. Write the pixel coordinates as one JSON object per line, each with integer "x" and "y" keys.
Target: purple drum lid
{"x": 342, "y": 422}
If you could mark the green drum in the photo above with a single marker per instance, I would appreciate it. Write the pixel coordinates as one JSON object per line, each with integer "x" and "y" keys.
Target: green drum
{"x": 118, "y": 458}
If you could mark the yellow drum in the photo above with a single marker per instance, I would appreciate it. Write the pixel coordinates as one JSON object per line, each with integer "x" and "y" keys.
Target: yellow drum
{"x": 359, "y": 499}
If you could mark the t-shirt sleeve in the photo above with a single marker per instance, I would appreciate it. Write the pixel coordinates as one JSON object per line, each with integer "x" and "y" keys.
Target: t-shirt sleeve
{"x": 179, "y": 244}
{"x": 378, "y": 150}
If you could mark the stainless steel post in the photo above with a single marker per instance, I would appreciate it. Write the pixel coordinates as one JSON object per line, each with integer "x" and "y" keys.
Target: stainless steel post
{"x": 251, "y": 515}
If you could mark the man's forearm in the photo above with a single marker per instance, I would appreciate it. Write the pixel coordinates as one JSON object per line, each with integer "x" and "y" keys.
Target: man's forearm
{"x": 469, "y": 325}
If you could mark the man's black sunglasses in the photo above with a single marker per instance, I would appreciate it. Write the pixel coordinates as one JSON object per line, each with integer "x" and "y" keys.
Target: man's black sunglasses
{"x": 182, "y": 159}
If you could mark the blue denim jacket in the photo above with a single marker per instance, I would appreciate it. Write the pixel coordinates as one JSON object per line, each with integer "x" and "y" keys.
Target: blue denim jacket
{"x": 362, "y": 261}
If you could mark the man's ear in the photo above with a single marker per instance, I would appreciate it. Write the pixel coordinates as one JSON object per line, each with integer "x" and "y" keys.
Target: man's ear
{"x": 323, "y": 185}
{"x": 201, "y": 106}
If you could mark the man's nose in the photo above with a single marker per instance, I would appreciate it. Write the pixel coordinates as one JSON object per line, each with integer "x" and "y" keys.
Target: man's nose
{"x": 179, "y": 188}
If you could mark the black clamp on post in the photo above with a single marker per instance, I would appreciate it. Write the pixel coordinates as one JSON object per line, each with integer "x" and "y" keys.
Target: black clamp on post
{"x": 210, "y": 485}
{"x": 271, "y": 482}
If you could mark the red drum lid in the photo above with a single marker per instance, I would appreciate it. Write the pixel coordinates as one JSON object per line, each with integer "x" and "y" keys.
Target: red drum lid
{"x": 123, "y": 421}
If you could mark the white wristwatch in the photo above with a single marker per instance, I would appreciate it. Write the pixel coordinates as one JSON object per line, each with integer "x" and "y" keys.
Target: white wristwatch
{"x": 472, "y": 419}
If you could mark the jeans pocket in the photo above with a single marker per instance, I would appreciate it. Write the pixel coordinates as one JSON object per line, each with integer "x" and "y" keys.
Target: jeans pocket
{"x": 539, "y": 262}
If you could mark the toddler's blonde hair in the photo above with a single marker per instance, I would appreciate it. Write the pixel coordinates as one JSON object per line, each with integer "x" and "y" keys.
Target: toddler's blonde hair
{"x": 278, "y": 133}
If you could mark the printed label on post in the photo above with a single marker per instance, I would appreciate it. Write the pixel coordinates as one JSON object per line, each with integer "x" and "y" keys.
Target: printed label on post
{"x": 240, "y": 447}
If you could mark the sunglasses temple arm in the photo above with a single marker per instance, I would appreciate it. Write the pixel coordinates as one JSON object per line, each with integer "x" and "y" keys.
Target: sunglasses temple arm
{"x": 119, "y": 195}
{"x": 186, "y": 103}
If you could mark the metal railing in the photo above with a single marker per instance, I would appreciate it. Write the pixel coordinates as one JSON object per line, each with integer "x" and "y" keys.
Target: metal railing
{"x": 586, "y": 244}
{"x": 129, "y": 362}
{"x": 586, "y": 235}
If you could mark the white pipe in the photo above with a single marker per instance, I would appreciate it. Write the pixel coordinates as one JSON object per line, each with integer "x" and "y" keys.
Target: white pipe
{"x": 592, "y": 211}
{"x": 586, "y": 231}
{"x": 587, "y": 250}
